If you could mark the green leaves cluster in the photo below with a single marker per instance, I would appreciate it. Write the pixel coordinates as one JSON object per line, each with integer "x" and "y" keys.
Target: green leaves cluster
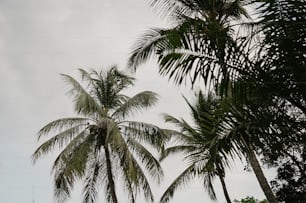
{"x": 250, "y": 200}
{"x": 102, "y": 145}
{"x": 198, "y": 46}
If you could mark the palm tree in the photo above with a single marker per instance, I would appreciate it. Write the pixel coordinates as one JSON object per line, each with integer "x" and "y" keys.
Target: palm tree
{"x": 203, "y": 44}
{"x": 207, "y": 159}
{"x": 223, "y": 131}
{"x": 200, "y": 43}
{"x": 101, "y": 145}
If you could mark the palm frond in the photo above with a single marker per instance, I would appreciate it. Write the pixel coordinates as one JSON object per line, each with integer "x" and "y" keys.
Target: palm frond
{"x": 235, "y": 10}
{"x": 145, "y": 47}
{"x": 62, "y": 188}
{"x": 92, "y": 180}
{"x": 60, "y": 124}
{"x": 207, "y": 181}
{"x": 150, "y": 162}
{"x": 84, "y": 103}
{"x": 201, "y": 44}
{"x": 171, "y": 8}
{"x": 59, "y": 139}
{"x": 137, "y": 103}
{"x": 166, "y": 6}
{"x": 183, "y": 179}
{"x": 123, "y": 79}
{"x": 144, "y": 184}
{"x": 134, "y": 172}
{"x": 146, "y": 133}
{"x": 130, "y": 166}
{"x": 129, "y": 187}
{"x": 109, "y": 85}
{"x": 108, "y": 191}
{"x": 78, "y": 145}
{"x": 86, "y": 76}
{"x": 177, "y": 149}
{"x": 70, "y": 166}
{"x": 183, "y": 126}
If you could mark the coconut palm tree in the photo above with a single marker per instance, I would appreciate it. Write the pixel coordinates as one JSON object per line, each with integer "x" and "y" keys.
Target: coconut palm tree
{"x": 207, "y": 158}
{"x": 200, "y": 43}
{"x": 223, "y": 131}
{"x": 101, "y": 145}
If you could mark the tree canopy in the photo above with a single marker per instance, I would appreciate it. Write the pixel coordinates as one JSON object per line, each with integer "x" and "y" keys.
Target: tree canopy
{"x": 102, "y": 145}
{"x": 258, "y": 63}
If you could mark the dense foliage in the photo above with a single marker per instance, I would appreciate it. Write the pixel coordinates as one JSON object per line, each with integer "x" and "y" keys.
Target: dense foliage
{"x": 250, "y": 200}
{"x": 255, "y": 67}
{"x": 206, "y": 158}
{"x": 259, "y": 64}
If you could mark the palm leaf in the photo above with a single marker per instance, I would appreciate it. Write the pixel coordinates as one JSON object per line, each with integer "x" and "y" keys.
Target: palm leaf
{"x": 177, "y": 149}
{"x": 58, "y": 139}
{"x": 146, "y": 133}
{"x": 60, "y": 124}
{"x": 109, "y": 85}
{"x": 180, "y": 181}
{"x": 129, "y": 165}
{"x": 145, "y": 47}
{"x": 207, "y": 181}
{"x": 150, "y": 162}
{"x": 183, "y": 126}
{"x": 140, "y": 101}
{"x": 91, "y": 180}
{"x": 79, "y": 144}
{"x": 132, "y": 191}
{"x": 70, "y": 165}
{"x": 134, "y": 171}
{"x": 84, "y": 103}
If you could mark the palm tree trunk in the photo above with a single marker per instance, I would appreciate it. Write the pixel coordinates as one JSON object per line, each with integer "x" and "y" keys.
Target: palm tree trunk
{"x": 228, "y": 200}
{"x": 261, "y": 177}
{"x": 110, "y": 175}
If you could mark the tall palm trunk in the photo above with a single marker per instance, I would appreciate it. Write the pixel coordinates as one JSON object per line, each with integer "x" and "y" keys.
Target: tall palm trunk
{"x": 228, "y": 200}
{"x": 261, "y": 177}
{"x": 110, "y": 175}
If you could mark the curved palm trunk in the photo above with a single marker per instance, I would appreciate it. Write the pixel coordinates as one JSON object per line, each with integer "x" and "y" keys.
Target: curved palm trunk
{"x": 261, "y": 177}
{"x": 110, "y": 175}
{"x": 228, "y": 200}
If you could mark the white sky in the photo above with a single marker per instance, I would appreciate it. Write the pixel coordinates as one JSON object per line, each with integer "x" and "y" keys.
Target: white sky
{"x": 39, "y": 39}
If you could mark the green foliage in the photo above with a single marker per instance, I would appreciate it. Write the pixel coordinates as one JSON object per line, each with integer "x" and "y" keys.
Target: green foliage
{"x": 259, "y": 65}
{"x": 281, "y": 68}
{"x": 200, "y": 144}
{"x": 250, "y": 200}
{"x": 101, "y": 145}
{"x": 290, "y": 183}
{"x": 199, "y": 46}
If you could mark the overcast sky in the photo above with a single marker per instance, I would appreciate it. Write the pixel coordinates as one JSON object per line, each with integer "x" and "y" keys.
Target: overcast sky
{"x": 39, "y": 39}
